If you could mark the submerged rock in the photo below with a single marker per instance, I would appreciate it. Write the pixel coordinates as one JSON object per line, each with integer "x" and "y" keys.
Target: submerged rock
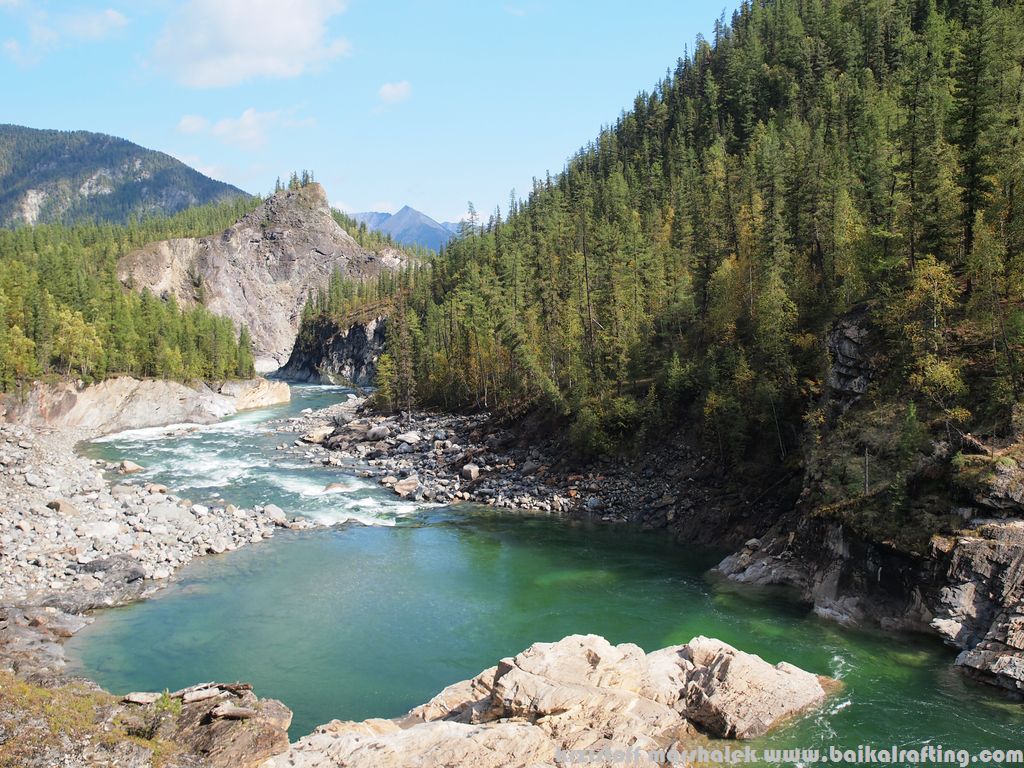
{"x": 581, "y": 693}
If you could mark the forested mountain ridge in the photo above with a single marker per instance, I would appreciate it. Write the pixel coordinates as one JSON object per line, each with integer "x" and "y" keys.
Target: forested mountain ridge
{"x": 63, "y": 312}
{"x": 66, "y": 177}
{"x": 816, "y": 166}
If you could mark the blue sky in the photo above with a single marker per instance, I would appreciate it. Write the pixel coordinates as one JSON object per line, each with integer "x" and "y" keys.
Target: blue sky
{"x": 430, "y": 104}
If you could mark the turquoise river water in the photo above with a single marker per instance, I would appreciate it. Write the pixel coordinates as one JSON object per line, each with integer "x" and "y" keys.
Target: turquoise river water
{"x": 373, "y": 616}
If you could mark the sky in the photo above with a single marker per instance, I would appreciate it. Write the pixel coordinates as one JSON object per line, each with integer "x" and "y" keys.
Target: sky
{"x": 427, "y": 103}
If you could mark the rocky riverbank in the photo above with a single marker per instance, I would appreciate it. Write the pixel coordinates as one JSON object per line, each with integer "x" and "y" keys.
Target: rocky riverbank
{"x": 445, "y": 458}
{"x": 69, "y": 536}
{"x": 124, "y": 403}
{"x": 72, "y": 539}
{"x": 968, "y": 592}
{"x": 78, "y": 534}
{"x": 580, "y": 700}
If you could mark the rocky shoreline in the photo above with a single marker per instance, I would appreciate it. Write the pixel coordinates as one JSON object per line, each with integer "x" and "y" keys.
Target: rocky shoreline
{"x": 969, "y": 593}
{"x": 74, "y": 540}
{"x": 60, "y": 556}
{"x": 447, "y": 458}
{"x": 78, "y": 534}
{"x": 578, "y": 700}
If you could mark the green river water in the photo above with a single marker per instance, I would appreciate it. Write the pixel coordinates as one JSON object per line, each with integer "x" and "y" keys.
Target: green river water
{"x": 375, "y": 615}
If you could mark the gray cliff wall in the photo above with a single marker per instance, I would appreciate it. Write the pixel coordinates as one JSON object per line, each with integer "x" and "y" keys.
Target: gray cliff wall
{"x": 328, "y": 353}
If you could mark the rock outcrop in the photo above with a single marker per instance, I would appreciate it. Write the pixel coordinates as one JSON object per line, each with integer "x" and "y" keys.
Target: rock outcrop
{"x": 969, "y": 589}
{"x": 225, "y": 725}
{"x": 981, "y": 607}
{"x": 261, "y": 270}
{"x": 127, "y": 403}
{"x": 850, "y": 372}
{"x": 329, "y": 353}
{"x": 581, "y": 693}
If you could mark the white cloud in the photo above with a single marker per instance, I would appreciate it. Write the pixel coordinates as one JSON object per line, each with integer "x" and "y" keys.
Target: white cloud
{"x": 94, "y": 25}
{"x": 192, "y": 124}
{"x": 213, "y": 171}
{"x": 394, "y": 93}
{"x": 248, "y": 131}
{"x": 48, "y": 32}
{"x": 215, "y": 43}
{"x": 13, "y": 49}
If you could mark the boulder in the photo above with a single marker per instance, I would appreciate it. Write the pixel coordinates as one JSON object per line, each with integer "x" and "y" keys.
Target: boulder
{"x": 143, "y": 698}
{"x": 728, "y": 693}
{"x": 169, "y": 513}
{"x": 375, "y": 434}
{"x": 581, "y": 693}
{"x": 99, "y": 530}
{"x": 318, "y": 436}
{"x": 63, "y": 507}
{"x": 407, "y": 487}
{"x": 409, "y": 438}
{"x": 470, "y": 472}
{"x": 276, "y": 514}
{"x": 218, "y": 725}
{"x": 129, "y": 467}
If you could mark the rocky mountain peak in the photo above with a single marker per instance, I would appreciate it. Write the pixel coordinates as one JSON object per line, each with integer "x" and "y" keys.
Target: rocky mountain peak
{"x": 259, "y": 271}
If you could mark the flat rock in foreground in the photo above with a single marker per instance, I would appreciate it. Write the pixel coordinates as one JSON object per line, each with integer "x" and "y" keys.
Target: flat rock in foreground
{"x": 581, "y": 693}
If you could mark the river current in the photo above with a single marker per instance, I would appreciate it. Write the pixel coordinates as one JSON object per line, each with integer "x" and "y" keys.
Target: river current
{"x": 397, "y": 600}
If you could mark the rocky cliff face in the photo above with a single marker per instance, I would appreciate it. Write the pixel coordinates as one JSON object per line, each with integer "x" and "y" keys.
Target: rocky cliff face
{"x": 126, "y": 403}
{"x": 330, "y": 353}
{"x": 966, "y": 586}
{"x": 260, "y": 271}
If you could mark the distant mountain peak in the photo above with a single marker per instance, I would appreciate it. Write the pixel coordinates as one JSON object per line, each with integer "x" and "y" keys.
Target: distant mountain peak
{"x": 407, "y": 227}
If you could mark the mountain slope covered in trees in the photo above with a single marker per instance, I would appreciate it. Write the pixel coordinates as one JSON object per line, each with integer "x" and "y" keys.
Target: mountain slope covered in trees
{"x": 63, "y": 311}
{"x": 815, "y": 165}
{"x": 66, "y": 177}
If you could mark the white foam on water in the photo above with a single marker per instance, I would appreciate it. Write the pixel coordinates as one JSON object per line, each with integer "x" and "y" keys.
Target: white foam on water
{"x": 839, "y": 666}
{"x": 312, "y": 486}
{"x": 151, "y": 433}
{"x": 336, "y": 517}
{"x": 207, "y": 469}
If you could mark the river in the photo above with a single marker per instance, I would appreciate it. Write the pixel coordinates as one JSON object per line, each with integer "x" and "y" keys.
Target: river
{"x": 375, "y": 614}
